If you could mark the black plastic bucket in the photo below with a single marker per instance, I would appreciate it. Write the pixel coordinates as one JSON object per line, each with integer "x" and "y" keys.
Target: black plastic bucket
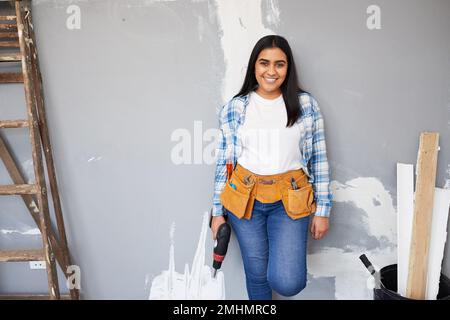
{"x": 388, "y": 286}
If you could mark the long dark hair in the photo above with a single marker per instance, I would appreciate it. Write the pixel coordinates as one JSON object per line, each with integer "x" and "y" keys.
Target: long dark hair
{"x": 289, "y": 87}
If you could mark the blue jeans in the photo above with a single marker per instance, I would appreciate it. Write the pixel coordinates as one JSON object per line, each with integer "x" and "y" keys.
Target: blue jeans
{"x": 273, "y": 248}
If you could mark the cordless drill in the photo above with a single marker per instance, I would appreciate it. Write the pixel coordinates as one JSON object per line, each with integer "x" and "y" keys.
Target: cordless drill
{"x": 223, "y": 233}
{"x": 220, "y": 250}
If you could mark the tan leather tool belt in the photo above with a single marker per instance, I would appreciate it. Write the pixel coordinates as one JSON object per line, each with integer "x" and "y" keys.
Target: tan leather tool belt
{"x": 291, "y": 187}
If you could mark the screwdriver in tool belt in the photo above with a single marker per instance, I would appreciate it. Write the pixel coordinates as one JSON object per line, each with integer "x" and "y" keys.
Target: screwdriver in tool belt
{"x": 229, "y": 172}
{"x": 229, "y": 169}
{"x": 294, "y": 184}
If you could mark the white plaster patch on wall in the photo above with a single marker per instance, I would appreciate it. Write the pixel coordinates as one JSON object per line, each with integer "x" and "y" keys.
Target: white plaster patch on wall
{"x": 195, "y": 285}
{"x": 172, "y": 233}
{"x": 242, "y": 26}
{"x": 28, "y": 169}
{"x": 33, "y": 206}
{"x": 61, "y": 3}
{"x": 273, "y": 14}
{"x": 351, "y": 277}
{"x": 147, "y": 280}
{"x": 66, "y": 2}
{"x": 149, "y": 2}
{"x": 131, "y": 3}
{"x": 361, "y": 192}
{"x": 92, "y": 159}
{"x": 28, "y": 232}
{"x": 447, "y": 181}
{"x": 201, "y": 27}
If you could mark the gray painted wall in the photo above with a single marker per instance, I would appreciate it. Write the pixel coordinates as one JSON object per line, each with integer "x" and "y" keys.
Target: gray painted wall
{"x": 139, "y": 71}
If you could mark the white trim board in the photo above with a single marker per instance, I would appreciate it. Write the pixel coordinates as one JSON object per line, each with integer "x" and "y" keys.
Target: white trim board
{"x": 437, "y": 240}
{"x": 405, "y": 212}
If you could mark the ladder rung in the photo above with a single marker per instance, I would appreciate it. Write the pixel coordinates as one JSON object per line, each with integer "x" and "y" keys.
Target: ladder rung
{"x": 18, "y": 189}
{"x": 21, "y": 255}
{"x": 9, "y": 44}
{"x": 10, "y": 57}
{"x": 8, "y": 26}
{"x": 4, "y": 35}
{"x": 7, "y": 18}
{"x": 11, "y": 77}
{"x": 7, "y": 124}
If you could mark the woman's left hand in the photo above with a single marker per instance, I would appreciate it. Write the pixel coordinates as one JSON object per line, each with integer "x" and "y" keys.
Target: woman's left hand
{"x": 319, "y": 227}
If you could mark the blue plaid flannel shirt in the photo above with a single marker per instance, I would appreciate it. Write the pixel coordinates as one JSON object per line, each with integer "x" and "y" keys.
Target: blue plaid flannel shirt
{"x": 313, "y": 147}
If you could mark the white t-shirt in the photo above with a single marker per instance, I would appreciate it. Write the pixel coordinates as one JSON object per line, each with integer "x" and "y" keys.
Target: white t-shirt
{"x": 268, "y": 147}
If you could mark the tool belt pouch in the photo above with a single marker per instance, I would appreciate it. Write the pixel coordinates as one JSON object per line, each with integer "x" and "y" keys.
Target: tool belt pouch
{"x": 237, "y": 199}
{"x": 299, "y": 203}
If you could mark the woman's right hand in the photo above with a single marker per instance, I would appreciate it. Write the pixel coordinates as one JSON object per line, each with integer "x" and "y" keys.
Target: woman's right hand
{"x": 215, "y": 224}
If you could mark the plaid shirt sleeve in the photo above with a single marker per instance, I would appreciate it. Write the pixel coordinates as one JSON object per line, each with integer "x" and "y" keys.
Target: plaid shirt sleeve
{"x": 319, "y": 165}
{"x": 220, "y": 175}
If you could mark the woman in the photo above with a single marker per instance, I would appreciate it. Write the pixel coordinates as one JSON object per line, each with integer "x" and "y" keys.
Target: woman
{"x": 272, "y": 137}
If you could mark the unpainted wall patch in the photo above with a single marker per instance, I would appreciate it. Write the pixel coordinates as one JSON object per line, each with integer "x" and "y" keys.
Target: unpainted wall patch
{"x": 447, "y": 181}
{"x": 242, "y": 26}
{"x": 29, "y": 232}
{"x": 197, "y": 284}
{"x": 381, "y": 219}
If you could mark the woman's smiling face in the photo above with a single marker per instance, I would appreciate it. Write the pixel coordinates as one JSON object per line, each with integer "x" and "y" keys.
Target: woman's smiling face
{"x": 270, "y": 71}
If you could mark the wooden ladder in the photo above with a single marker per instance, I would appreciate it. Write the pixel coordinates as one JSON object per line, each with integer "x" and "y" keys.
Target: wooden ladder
{"x": 17, "y": 36}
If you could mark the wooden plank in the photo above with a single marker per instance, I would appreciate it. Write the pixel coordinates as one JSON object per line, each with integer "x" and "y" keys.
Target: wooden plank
{"x": 437, "y": 241}
{"x": 423, "y": 209}
{"x": 23, "y": 12}
{"x": 21, "y": 255}
{"x": 9, "y": 44}
{"x": 5, "y": 124}
{"x": 8, "y": 35}
{"x": 405, "y": 210}
{"x": 10, "y": 57}
{"x": 7, "y": 18}
{"x": 18, "y": 189}
{"x": 8, "y": 26}
{"x": 11, "y": 77}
